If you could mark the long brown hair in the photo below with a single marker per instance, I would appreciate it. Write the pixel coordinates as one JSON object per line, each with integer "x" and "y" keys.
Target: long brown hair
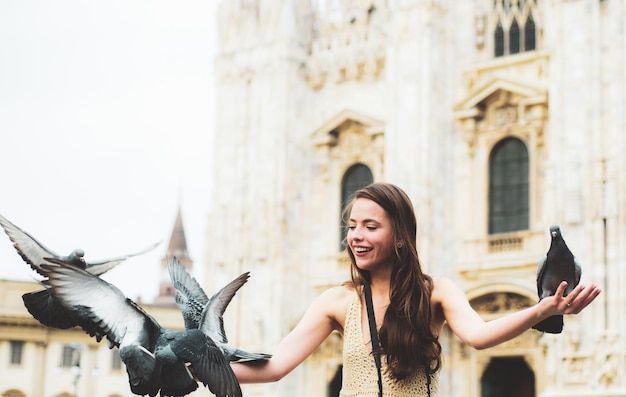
{"x": 406, "y": 336}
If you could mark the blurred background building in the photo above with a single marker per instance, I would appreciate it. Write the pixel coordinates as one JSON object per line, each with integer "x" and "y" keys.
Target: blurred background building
{"x": 37, "y": 361}
{"x": 498, "y": 117}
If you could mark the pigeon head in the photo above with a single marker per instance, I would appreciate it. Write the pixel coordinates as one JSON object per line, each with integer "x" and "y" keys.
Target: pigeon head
{"x": 555, "y": 230}
{"x": 78, "y": 255}
{"x": 75, "y": 258}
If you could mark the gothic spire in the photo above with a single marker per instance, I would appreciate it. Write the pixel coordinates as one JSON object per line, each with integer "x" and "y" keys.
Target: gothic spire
{"x": 176, "y": 248}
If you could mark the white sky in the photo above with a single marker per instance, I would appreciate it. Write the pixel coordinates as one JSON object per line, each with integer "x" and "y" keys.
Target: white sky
{"x": 105, "y": 128}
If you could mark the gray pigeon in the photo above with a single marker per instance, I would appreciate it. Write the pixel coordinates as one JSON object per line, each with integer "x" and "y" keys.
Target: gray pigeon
{"x": 206, "y": 314}
{"x": 155, "y": 358}
{"x": 40, "y": 304}
{"x": 558, "y": 265}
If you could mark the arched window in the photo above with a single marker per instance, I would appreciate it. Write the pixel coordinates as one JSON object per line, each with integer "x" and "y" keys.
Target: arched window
{"x": 514, "y": 27}
{"x": 514, "y": 40}
{"x": 529, "y": 34}
{"x": 356, "y": 177}
{"x": 508, "y": 187}
{"x": 499, "y": 41}
{"x": 507, "y": 376}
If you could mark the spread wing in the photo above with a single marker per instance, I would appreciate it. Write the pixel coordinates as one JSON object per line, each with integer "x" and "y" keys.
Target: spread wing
{"x": 34, "y": 253}
{"x": 104, "y": 265}
{"x": 31, "y": 250}
{"x": 100, "y": 306}
{"x": 189, "y": 295}
{"x": 212, "y": 323}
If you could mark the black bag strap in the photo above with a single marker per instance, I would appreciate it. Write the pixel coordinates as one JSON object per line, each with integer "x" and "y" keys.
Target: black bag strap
{"x": 373, "y": 334}
{"x": 427, "y": 368}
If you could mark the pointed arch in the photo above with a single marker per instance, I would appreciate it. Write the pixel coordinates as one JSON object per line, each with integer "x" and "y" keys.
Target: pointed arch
{"x": 498, "y": 39}
{"x": 514, "y": 26}
{"x": 530, "y": 35}
{"x": 514, "y": 38}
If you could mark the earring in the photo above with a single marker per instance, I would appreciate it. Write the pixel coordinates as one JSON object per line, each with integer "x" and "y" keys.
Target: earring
{"x": 399, "y": 244}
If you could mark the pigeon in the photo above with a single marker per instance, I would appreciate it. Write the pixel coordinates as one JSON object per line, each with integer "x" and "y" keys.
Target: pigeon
{"x": 558, "y": 265}
{"x": 158, "y": 360}
{"x": 200, "y": 312}
{"x": 40, "y": 304}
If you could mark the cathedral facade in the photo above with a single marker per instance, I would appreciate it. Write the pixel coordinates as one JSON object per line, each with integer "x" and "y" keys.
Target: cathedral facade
{"x": 499, "y": 118}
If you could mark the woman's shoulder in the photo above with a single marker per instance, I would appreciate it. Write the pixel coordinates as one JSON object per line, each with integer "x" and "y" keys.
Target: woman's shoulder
{"x": 338, "y": 293}
{"x": 334, "y": 302}
{"x": 441, "y": 287}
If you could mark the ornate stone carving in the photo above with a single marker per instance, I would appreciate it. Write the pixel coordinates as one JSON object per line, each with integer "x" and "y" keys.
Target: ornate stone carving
{"x": 602, "y": 367}
{"x": 505, "y": 115}
{"x": 348, "y": 41}
{"x": 500, "y": 302}
{"x": 609, "y": 361}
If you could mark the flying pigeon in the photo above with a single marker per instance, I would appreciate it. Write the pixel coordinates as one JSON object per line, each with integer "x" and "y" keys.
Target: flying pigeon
{"x": 155, "y": 358}
{"x": 558, "y": 265}
{"x": 40, "y": 304}
{"x": 200, "y": 312}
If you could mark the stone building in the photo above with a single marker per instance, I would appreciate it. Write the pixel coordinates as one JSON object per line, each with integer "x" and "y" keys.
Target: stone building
{"x": 498, "y": 117}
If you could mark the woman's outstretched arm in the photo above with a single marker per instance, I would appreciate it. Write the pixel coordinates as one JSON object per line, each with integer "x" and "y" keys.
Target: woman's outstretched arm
{"x": 320, "y": 319}
{"x": 475, "y": 332}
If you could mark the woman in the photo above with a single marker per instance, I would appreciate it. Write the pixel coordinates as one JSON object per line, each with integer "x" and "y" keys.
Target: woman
{"x": 409, "y": 307}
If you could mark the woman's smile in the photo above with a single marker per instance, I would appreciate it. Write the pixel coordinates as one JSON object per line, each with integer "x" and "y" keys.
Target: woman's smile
{"x": 370, "y": 234}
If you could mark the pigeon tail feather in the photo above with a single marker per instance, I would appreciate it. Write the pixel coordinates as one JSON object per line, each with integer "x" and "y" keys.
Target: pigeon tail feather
{"x": 143, "y": 369}
{"x": 48, "y": 310}
{"x": 177, "y": 380}
{"x": 241, "y": 355}
{"x": 551, "y": 325}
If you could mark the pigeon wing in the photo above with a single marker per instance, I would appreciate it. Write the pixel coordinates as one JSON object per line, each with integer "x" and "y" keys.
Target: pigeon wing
{"x": 578, "y": 270}
{"x": 99, "y": 267}
{"x": 541, "y": 268}
{"x": 189, "y": 295}
{"x": 212, "y": 323}
{"x": 48, "y": 310}
{"x": 100, "y": 306}
{"x": 207, "y": 361}
{"x": 31, "y": 250}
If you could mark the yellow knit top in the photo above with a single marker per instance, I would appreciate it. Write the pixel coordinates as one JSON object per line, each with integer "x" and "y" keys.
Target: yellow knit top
{"x": 360, "y": 377}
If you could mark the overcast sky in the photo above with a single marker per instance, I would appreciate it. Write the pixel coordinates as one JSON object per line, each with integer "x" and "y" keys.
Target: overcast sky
{"x": 105, "y": 129}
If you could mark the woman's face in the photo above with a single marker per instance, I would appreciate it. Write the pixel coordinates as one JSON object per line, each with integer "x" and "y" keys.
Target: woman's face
{"x": 370, "y": 235}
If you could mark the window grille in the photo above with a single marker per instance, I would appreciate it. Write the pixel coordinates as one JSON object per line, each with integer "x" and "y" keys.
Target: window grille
{"x": 514, "y": 26}
{"x": 508, "y": 187}
{"x": 17, "y": 348}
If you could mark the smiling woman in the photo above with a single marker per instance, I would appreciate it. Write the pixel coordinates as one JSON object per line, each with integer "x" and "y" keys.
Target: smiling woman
{"x": 105, "y": 113}
{"x": 406, "y": 309}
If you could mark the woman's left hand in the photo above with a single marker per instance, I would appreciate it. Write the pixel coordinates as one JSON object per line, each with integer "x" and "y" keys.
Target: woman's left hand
{"x": 573, "y": 303}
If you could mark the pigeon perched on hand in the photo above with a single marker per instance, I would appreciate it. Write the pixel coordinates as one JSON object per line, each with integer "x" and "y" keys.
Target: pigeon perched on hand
{"x": 40, "y": 304}
{"x": 206, "y": 314}
{"x": 558, "y": 265}
{"x": 155, "y": 358}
